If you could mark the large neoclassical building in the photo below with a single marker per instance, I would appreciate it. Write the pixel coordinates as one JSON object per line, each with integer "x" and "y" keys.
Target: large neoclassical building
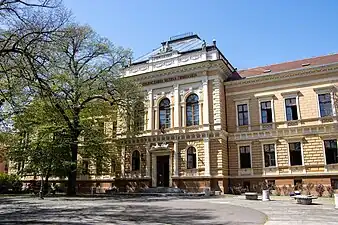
{"x": 207, "y": 124}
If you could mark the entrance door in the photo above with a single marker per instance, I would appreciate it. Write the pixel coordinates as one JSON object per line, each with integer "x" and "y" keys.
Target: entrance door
{"x": 162, "y": 171}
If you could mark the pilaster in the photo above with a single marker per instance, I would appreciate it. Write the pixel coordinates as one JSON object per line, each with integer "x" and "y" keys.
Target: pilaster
{"x": 150, "y": 111}
{"x": 176, "y": 158}
{"x": 177, "y": 108}
{"x": 206, "y": 157}
{"x": 205, "y": 104}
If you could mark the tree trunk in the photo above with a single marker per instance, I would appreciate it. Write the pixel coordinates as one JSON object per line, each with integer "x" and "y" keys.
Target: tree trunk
{"x": 41, "y": 188}
{"x": 71, "y": 189}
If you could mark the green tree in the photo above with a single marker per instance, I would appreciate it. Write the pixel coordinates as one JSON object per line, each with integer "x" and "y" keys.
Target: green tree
{"x": 40, "y": 142}
{"x": 81, "y": 70}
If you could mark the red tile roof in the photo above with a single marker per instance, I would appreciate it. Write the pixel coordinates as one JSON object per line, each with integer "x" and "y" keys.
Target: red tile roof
{"x": 315, "y": 61}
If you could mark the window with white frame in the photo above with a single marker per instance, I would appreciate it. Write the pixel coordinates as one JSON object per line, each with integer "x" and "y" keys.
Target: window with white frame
{"x": 164, "y": 111}
{"x": 191, "y": 158}
{"x": 295, "y": 152}
{"x": 245, "y": 157}
{"x": 331, "y": 151}
{"x": 291, "y": 109}
{"x": 266, "y": 112}
{"x": 192, "y": 110}
{"x": 269, "y": 155}
{"x": 325, "y": 104}
{"x": 242, "y": 114}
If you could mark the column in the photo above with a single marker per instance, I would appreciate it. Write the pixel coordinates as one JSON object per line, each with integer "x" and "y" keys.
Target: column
{"x": 123, "y": 159}
{"x": 205, "y": 104}
{"x": 183, "y": 114}
{"x": 206, "y": 157}
{"x": 200, "y": 116}
{"x": 148, "y": 161}
{"x": 156, "y": 115}
{"x": 176, "y": 158}
{"x": 177, "y": 108}
{"x": 150, "y": 110}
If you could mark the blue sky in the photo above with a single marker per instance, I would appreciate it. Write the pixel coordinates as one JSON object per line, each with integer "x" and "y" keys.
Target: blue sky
{"x": 249, "y": 33}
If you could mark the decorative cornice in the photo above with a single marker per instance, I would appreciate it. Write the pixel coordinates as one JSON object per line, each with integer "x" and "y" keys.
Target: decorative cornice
{"x": 271, "y": 77}
{"x": 285, "y": 133}
{"x": 180, "y": 72}
{"x": 167, "y": 138}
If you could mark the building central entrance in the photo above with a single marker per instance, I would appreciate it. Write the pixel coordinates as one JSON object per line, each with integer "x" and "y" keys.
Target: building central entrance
{"x": 162, "y": 171}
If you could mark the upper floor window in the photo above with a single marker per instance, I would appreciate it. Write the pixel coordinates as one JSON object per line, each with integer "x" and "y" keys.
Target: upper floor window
{"x": 331, "y": 151}
{"x": 266, "y": 112}
{"x": 325, "y": 104}
{"x": 191, "y": 158}
{"x": 135, "y": 161}
{"x": 245, "y": 157}
{"x": 164, "y": 108}
{"x": 269, "y": 155}
{"x": 242, "y": 114}
{"x": 192, "y": 110}
{"x": 139, "y": 117}
{"x": 291, "y": 109}
{"x": 295, "y": 151}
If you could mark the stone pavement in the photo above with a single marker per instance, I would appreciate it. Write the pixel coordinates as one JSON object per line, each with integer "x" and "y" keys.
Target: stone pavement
{"x": 285, "y": 211}
{"x": 227, "y": 210}
{"x": 142, "y": 210}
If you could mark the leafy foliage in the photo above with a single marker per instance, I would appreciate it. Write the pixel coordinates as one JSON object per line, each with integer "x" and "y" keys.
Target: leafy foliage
{"x": 10, "y": 183}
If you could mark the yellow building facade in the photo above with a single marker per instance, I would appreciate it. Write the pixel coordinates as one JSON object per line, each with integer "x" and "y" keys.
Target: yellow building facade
{"x": 207, "y": 124}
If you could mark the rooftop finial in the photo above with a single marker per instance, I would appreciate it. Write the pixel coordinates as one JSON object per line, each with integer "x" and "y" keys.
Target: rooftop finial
{"x": 214, "y": 42}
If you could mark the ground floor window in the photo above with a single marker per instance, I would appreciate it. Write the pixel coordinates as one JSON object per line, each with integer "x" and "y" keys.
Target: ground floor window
{"x": 295, "y": 151}
{"x": 245, "y": 157}
{"x": 191, "y": 158}
{"x": 136, "y": 161}
{"x": 331, "y": 151}
{"x": 269, "y": 155}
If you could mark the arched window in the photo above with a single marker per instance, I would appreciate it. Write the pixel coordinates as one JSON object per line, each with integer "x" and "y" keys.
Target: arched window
{"x": 192, "y": 110}
{"x": 139, "y": 117}
{"x": 164, "y": 113}
{"x": 135, "y": 161}
{"x": 191, "y": 158}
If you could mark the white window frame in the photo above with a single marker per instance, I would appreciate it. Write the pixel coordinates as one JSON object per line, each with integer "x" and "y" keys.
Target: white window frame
{"x": 244, "y": 144}
{"x": 186, "y": 156}
{"x": 288, "y": 95}
{"x": 323, "y": 146}
{"x": 301, "y": 149}
{"x": 269, "y": 143}
{"x": 331, "y": 89}
{"x": 266, "y": 97}
{"x": 242, "y": 102}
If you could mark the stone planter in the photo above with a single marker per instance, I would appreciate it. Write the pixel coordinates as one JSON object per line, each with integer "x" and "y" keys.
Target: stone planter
{"x": 336, "y": 200}
{"x": 266, "y": 195}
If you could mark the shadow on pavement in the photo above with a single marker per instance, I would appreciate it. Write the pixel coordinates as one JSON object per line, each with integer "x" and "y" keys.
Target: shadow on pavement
{"x": 33, "y": 211}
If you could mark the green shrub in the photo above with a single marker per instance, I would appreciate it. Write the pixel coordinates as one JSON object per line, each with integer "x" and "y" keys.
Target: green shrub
{"x": 10, "y": 183}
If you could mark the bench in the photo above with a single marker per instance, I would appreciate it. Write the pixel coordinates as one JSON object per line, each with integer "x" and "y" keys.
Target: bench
{"x": 251, "y": 195}
{"x": 304, "y": 199}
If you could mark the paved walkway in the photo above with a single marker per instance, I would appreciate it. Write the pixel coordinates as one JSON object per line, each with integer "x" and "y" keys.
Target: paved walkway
{"x": 145, "y": 210}
{"x": 285, "y": 211}
{"x": 164, "y": 210}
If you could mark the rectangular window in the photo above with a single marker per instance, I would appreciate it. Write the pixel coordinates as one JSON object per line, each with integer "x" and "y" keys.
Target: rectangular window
{"x": 331, "y": 151}
{"x": 291, "y": 109}
{"x": 295, "y": 150}
{"x": 325, "y": 104}
{"x": 266, "y": 112}
{"x": 243, "y": 116}
{"x": 269, "y": 155}
{"x": 245, "y": 157}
